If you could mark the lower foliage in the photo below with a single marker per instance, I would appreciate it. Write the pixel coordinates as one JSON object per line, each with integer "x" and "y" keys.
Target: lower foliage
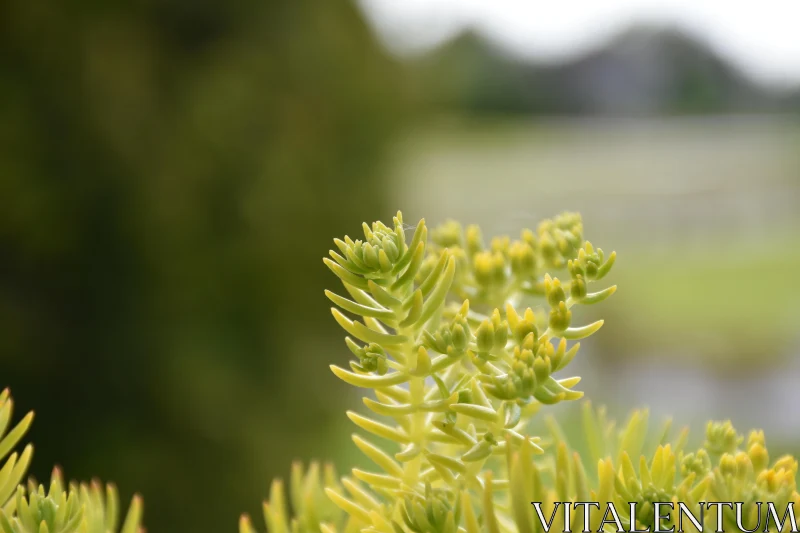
{"x": 459, "y": 343}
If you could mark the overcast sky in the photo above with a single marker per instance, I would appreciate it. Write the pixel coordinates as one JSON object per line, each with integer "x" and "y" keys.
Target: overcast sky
{"x": 760, "y": 37}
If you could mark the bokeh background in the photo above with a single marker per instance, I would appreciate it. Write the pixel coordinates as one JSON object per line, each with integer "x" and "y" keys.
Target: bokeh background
{"x": 173, "y": 171}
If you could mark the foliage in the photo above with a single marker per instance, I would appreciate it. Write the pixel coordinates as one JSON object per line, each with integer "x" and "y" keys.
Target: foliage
{"x": 456, "y": 381}
{"x": 148, "y": 151}
{"x": 453, "y": 339}
{"x": 76, "y": 508}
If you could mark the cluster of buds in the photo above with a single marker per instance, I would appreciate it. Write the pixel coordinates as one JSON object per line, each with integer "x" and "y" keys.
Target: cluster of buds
{"x": 559, "y": 239}
{"x": 698, "y": 463}
{"x": 452, "y": 338}
{"x": 491, "y": 336}
{"x": 721, "y": 437}
{"x": 381, "y": 255}
{"x": 530, "y": 373}
{"x": 491, "y": 273}
{"x": 456, "y": 370}
{"x": 73, "y": 508}
{"x": 434, "y": 511}
{"x": 371, "y": 357}
{"x": 745, "y": 476}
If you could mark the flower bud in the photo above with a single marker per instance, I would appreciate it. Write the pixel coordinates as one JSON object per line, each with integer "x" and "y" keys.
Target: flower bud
{"x": 484, "y": 337}
{"x": 591, "y": 269}
{"x": 758, "y": 456}
{"x": 756, "y": 436}
{"x": 523, "y": 260}
{"x": 500, "y": 244}
{"x": 500, "y": 331}
{"x": 525, "y": 327}
{"x": 498, "y": 268}
{"x": 744, "y": 466}
{"x": 698, "y": 463}
{"x": 786, "y": 463}
{"x": 577, "y": 288}
{"x": 459, "y": 338}
{"x": 483, "y": 267}
{"x": 464, "y": 396}
{"x": 390, "y": 248}
{"x": 721, "y": 437}
{"x": 560, "y": 317}
{"x": 575, "y": 268}
{"x": 447, "y": 235}
{"x": 370, "y": 256}
{"x": 727, "y": 465}
{"x": 541, "y": 368}
{"x": 555, "y": 292}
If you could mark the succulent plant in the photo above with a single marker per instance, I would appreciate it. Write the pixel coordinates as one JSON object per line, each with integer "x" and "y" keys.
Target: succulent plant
{"x": 76, "y": 508}
{"x": 459, "y": 344}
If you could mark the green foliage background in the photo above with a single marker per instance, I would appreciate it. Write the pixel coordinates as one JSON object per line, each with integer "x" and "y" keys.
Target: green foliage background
{"x": 171, "y": 172}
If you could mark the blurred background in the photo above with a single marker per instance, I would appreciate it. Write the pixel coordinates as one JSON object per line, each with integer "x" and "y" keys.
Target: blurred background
{"x": 172, "y": 173}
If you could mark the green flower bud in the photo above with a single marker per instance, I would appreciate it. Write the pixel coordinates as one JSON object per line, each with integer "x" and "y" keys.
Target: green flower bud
{"x": 459, "y": 337}
{"x": 758, "y": 455}
{"x": 560, "y": 317}
{"x": 465, "y": 396}
{"x": 529, "y": 238}
{"x": 756, "y": 436}
{"x": 555, "y": 292}
{"x": 484, "y": 268}
{"x": 547, "y": 249}
{"x": 500, "y": 330}
{"x": 528, "y": 383}
{"x": 591, "y": 269}
{"x": 526, "y": 327}
{"x": 498, "y": 268}
{"x": 448, "y": 235}
{"x": 484, "y": 337}
{"x": 390, "y": 248}
{"x": 500, "y": 245}
{"x": 698, "y": 463}
{"x": 744, "y": 466}
{"x": 542, "y": 368}
{"x": 523, "y": 259}
{"x": 575, "y": 268}
{"x": 577, "y": 288}
{"x": 727, "y": 465}
{"x": 438, "y": 511}
{"x": 786, "y": 463}
{"x": 372, "y": 358}
{"x": 721, "y": 438}
{"x": 370, "y": 256}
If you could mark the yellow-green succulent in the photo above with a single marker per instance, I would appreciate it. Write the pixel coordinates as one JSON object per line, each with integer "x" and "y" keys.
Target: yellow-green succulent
{"x": 73, "y": 508}
{"x": 458, "y": 345}
{"x": 76, "y": 508}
